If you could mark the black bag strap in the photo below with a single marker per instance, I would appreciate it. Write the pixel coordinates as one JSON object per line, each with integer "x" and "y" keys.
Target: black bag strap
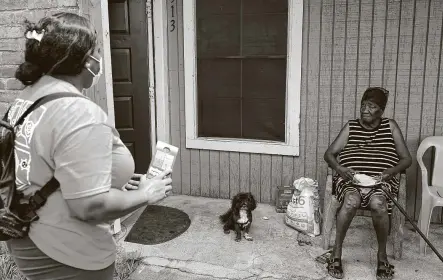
{"x": 39, "y": 198}
{"x": 5, "y": 116}
{"x": 43, "y": 100}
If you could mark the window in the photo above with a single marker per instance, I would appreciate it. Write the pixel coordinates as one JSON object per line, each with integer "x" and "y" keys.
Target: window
{"x": 242, "y": 75}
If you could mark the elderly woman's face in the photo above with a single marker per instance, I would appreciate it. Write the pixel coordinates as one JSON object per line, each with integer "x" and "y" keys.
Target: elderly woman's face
{"x": 370, "y": 111}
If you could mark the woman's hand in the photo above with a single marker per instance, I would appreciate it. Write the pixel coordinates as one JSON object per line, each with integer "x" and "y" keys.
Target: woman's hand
{"x": 345, "y": 173}
{"x": 134, "y": 182}
{"x": 387, "y": 175}
{"x": 156, "y": 188}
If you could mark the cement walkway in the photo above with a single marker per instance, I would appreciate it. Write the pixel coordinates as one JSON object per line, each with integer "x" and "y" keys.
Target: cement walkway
{"x": 205, "y": 252}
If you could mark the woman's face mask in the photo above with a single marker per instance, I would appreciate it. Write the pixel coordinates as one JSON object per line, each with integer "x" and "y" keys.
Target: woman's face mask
{"x": 96, "y": 77}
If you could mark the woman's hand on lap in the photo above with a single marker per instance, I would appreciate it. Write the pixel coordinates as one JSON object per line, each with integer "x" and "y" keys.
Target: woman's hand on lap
{"x": 345, "y": 173}
{"x": 387, "y": 175}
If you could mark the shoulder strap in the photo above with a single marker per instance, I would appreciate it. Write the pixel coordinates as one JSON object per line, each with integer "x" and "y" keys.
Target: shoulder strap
{"x": 39, "y": 198}
{"x": 5, "y": 116}
{"x": 43, "y": 100}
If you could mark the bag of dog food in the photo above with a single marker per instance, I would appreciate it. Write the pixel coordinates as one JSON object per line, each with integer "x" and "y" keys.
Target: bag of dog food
{"x": 303, "y": 212}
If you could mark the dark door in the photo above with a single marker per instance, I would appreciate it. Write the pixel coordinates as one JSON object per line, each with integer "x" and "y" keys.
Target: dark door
{"x": 130, "y": 73}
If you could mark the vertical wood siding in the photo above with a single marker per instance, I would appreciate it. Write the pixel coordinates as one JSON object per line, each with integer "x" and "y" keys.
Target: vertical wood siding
{"x": 348, "y": 45}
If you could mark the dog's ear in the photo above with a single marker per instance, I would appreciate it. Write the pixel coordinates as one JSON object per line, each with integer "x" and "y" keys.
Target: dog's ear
{"x": 252, "y": 201}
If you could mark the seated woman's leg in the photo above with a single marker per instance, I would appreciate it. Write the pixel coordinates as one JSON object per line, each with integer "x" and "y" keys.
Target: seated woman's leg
{"x": 380, "y": 218}
{"x": 350, "y": 205}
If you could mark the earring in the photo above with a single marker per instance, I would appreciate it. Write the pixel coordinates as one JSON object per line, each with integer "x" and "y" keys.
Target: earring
{"x": 87, "y": 64}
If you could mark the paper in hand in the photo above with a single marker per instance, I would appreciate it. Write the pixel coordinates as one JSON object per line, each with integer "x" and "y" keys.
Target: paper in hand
{"x": 163, "y": 159}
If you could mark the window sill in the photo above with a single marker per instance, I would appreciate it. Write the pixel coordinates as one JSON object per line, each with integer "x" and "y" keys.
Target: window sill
{"x": 243, "y": 146}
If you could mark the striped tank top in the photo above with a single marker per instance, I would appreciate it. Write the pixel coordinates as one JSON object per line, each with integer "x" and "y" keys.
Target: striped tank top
{"x": 370, "y": 151}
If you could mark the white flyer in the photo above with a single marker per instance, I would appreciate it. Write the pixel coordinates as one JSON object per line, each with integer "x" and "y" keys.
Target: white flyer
{"x": 163, "y": 159}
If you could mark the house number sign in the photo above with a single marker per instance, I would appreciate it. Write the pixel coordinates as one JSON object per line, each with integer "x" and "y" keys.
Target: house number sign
{"x": 173, "y": 14}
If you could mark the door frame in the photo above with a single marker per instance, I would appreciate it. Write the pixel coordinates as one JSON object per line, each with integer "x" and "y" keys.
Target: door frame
{"x": 161, "y": 71}
{"x": 152, "y": 85}
{"x": 97, "y": 12}
{"x": 109, "y": 89}
{"x": 157, "y": 20}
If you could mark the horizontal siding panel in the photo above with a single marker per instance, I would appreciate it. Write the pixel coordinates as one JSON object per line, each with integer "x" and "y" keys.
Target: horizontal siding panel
{"x": 347, "y": 46}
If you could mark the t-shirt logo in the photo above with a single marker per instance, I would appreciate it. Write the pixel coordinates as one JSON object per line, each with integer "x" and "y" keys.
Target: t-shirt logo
{"x": 24, "y": 133}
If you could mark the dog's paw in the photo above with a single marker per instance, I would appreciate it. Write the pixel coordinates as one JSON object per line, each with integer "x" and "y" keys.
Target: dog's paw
{"x": 238, "y": 239}
{"x": 226, "y": 231}
{"x": 248, "y": 237}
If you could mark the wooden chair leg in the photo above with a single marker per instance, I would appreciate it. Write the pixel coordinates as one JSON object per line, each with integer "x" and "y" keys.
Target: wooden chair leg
{"x": 328, "y": 214}
{"x": 328, "y": 223}
{"x": 397, "y": 233}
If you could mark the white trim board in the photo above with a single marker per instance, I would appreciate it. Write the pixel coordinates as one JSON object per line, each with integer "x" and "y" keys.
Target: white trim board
{"x": 107, "y": 64}
{"x": 151, "y": 90}
{"x": 293, "y": 90}
{"x": 109, "y": 88}
{"x": 97, "y": 12}
{"x": 160, "y": 21}
{"x": 107, "y": 73}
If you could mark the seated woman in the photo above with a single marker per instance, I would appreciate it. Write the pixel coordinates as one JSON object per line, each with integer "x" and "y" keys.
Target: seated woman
{"x": 373, "y": 146}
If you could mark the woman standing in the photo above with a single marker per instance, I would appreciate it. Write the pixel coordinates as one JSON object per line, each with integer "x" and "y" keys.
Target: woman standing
{"x": 70, "y": 139}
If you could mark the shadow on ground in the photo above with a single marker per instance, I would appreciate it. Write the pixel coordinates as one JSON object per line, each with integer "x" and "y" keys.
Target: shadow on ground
{"x": 205, "y": 252}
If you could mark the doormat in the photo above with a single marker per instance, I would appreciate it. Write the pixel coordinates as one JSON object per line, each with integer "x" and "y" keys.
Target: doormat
{"x": 158, "y": 224}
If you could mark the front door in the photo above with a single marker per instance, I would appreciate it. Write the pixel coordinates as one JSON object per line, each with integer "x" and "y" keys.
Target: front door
{"x": 130, "y": 73}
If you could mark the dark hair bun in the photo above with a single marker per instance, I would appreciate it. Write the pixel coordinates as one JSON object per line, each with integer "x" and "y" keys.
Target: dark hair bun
{"x": 28, "y": 73}
{"x": 67, "y": 40}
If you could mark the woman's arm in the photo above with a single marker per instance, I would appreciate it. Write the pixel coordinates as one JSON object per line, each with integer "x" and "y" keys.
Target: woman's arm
{"x": 402, "y": 151}
{"x": 82, "y": 155}
{"x": 336, "y": 147}
{"x": 107, "y": 206}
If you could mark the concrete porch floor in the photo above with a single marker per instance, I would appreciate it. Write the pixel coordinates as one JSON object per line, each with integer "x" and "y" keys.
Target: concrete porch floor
{"x": 205, "y": 252}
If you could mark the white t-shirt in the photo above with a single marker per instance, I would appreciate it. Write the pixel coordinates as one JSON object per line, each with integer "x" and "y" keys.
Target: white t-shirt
{"x": 68, "y": 138}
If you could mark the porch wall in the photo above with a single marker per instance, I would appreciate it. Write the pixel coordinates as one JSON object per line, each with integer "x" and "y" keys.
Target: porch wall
{"x": 347, "y": 46}
{"x": 12, "y": 40}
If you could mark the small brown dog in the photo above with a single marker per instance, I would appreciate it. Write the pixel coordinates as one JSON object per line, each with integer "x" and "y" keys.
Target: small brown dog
{"x": 239, "y": 216}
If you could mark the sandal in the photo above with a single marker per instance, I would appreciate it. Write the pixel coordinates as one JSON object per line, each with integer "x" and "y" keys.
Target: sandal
{"x": 385, "y": 271}
{"x": 335, "y": 268}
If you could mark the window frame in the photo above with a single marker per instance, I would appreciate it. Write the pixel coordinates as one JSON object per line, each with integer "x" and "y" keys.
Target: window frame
{"x": 291, "y": 147}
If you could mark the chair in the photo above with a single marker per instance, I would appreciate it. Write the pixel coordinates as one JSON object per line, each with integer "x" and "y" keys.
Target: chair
{"x": 397, "y": 221}
{"x": 432, "y": 195}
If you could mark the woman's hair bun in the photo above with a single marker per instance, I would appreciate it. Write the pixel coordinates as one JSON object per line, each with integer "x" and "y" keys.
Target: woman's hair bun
{"x": 58, "y": 45}
{"x": 28, "y": 73}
